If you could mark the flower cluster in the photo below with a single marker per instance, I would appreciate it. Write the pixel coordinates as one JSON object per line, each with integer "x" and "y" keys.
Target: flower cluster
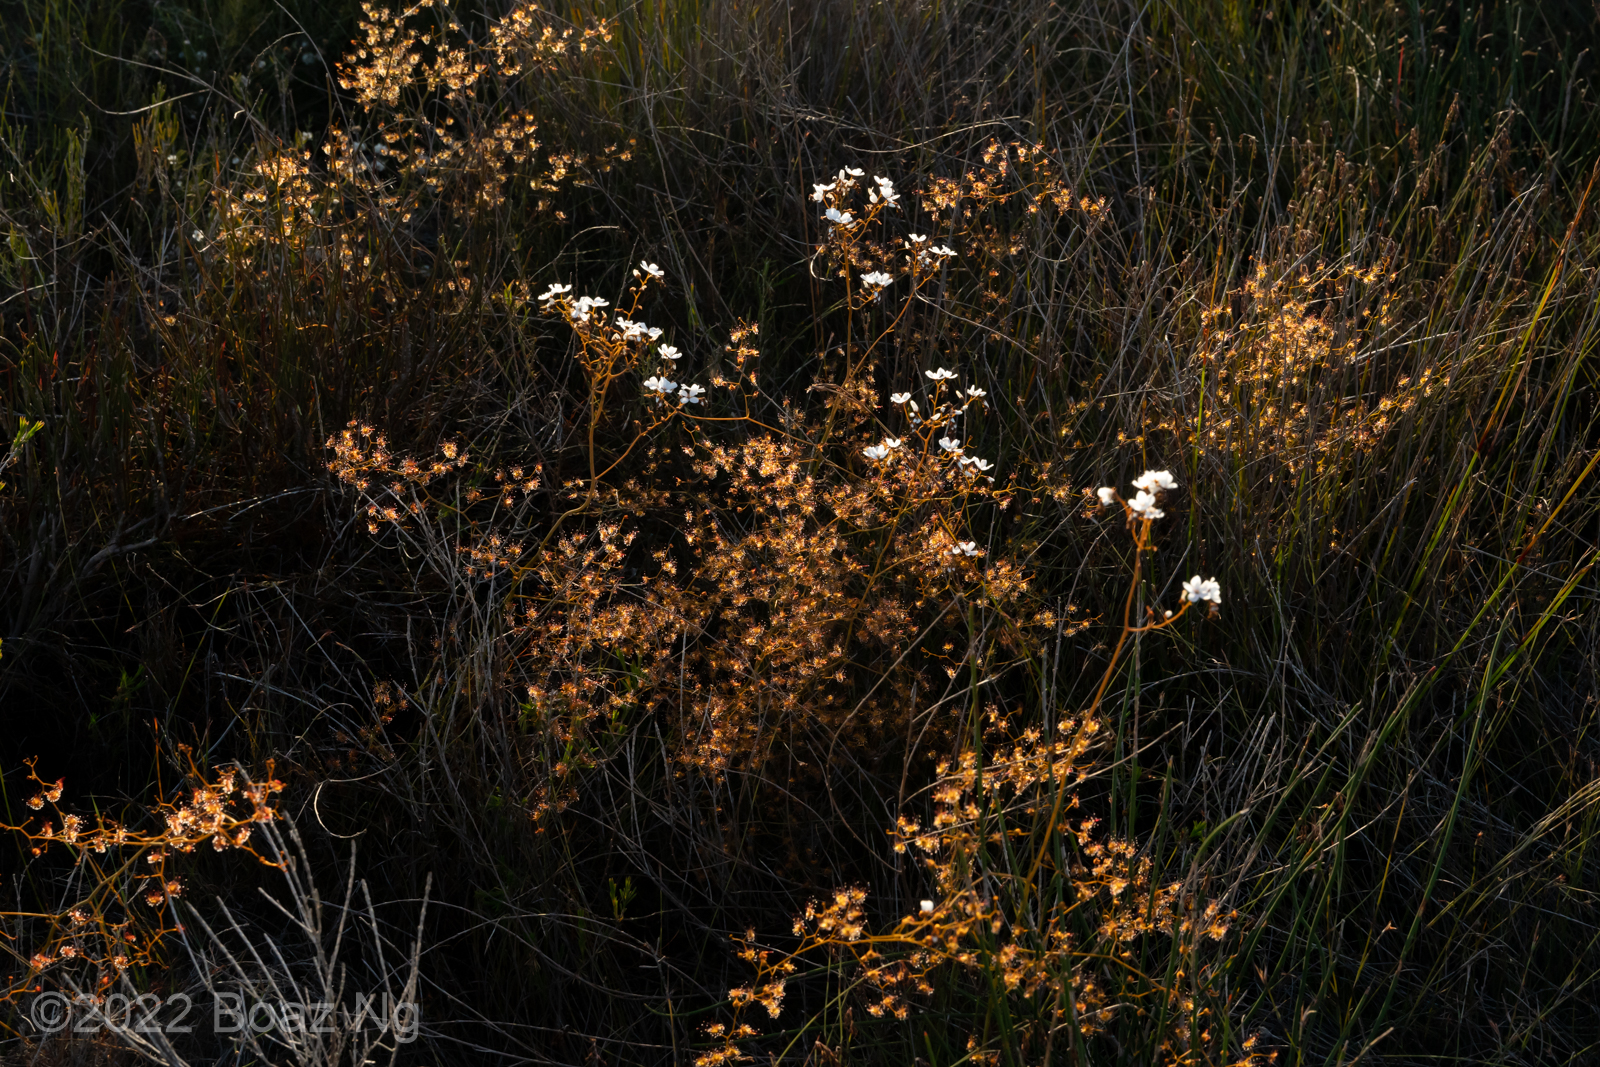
{"x": 744, "y": 627}
{"x": 835, "y": 191}
{"x": 576, "y": 310}
{"x": 660, "y": 387}
{"x": 927, "y": 256}
{"x": 1147, "y": 489}
{"x": 1076, "y": 956}
{"x": 850, "y": 245}
{"x": 617, "y": 343}
{"x": 631, "y": 330}
{"x": 1142, "y": 510}
{"x": 941, "y": 416}
{"x": 767, "y": 991}
{"x": 362, "y": 459}
{"x": 1277, "y": 358}
{"x": 882, "y": 451}
{"x": 102, "y": 929}
{"x": 422, "y": 132}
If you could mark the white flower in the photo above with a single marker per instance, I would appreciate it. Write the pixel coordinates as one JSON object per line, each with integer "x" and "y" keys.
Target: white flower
{"x": 917, "y": 238}
{"x": 899, "y": 398}
{"x": 854, "y": 172}
{"x": 1106, "y": 494}
{"x": 927, "y": 907}
{"x": 976, "y": 465}
{"x": 817, "y": 191}
{"x": 630, "y": 328}
{"x": 669, "y": 352}
{"x": 885, "y": 190}
{"x": 966, "y": 548}
{"x": 659, "y": 385}
{"x": 939, "y": 375}
{"x": 691, "y": 394}
{"x": 1144, "y": 505}
{"x": 876, "y": 279}
{"x": 1154, "y": 480}
{"x": 1197, "y": 589}
{"x": 586, "y": 304}
{"x": 197, "y": 236}
{"x": 942, "y": 250}
{"x": 880, "y": 451}
{"x": 950, "y": 445}
{"x": 839, "y": 218}
{"x": 974, "y": 392}
{"x": 654, "y": 333}
{"x": 651, "y": 269}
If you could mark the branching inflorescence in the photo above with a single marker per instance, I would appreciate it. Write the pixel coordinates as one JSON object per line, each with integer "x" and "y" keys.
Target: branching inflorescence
{"x": 124, "y": 899}
{"x": 1045, "y": 940}
{"x": 776, "y": 591}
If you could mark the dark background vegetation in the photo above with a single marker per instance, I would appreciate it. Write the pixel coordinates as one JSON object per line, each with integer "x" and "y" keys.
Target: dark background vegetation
{"x": 1401, "y": 688}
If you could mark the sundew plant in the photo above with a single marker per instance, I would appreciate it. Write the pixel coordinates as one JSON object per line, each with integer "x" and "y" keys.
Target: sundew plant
{"x": 814, "y": 534}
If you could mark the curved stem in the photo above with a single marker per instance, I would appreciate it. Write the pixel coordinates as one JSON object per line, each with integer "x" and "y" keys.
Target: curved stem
{"x": 1141, "y": 543}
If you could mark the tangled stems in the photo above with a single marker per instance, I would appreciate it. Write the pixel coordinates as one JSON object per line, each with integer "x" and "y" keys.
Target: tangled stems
{"x": 963, "y": 926}
{"x": 104, "y": 930}
{"x": 846, "y": 248}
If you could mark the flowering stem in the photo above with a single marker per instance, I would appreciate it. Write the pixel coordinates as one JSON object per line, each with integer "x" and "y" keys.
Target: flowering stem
{"x": 852, "y": 369}
{"x": 1141, "y": 542}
